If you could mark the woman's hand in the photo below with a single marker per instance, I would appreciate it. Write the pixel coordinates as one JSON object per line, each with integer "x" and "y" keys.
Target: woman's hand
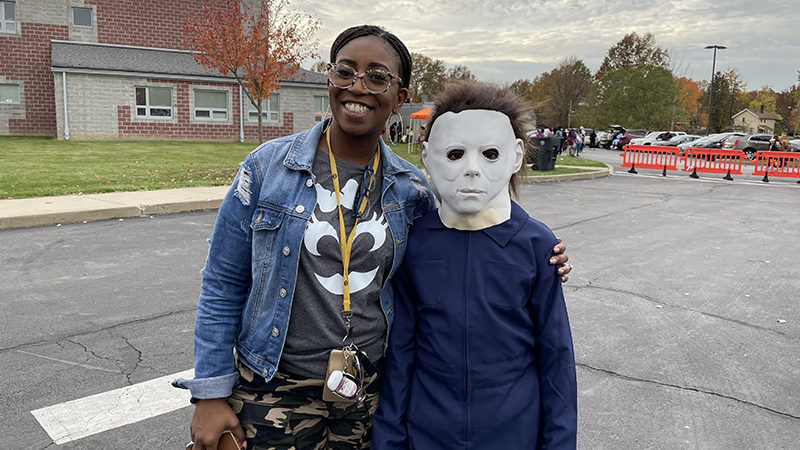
{"x": 561, "y": 258}
{"x": 211, "y": 418}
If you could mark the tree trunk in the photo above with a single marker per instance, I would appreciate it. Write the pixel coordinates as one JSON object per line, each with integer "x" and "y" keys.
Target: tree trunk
{"x": 259, "y": 107}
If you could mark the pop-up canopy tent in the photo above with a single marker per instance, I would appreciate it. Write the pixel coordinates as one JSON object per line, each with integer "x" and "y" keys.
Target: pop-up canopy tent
{"x": 417, "y": 120}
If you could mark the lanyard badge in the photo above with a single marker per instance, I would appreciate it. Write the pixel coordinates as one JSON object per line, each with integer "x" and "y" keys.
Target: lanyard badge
{"x": 347, "y": 382}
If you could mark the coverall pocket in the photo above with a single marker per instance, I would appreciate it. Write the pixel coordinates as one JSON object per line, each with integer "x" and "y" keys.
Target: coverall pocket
{"x": 507, "y": 285}
{"x": 429, "y": 277}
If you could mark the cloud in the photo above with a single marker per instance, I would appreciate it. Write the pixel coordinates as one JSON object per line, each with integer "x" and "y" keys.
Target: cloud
{"x": 505, "y": 40}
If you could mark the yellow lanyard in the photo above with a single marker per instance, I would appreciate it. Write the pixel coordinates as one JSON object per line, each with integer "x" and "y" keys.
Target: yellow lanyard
{"x": 346, "y": 242}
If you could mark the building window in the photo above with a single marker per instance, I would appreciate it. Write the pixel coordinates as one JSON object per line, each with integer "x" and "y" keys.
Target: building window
{"x": 9, "y": 93}
{"x": 8, "y": 17}
{"x": 270, "y": 108}
{"x": 320, "y": 108}
{"x": 82, "y": 17}
{"x": 211, "y": 105}
{"x": 153, "y": 102}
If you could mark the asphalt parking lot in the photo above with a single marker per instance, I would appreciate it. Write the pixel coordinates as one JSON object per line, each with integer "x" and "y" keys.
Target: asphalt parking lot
{"x": 684, "y": 307}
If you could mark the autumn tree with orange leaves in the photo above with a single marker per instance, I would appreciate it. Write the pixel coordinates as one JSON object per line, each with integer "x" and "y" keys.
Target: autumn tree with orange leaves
{"x": 258, "y": 43}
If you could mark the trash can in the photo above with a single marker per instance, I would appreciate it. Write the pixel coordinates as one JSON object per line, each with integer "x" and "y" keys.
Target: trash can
{"x": 545, "y": 150}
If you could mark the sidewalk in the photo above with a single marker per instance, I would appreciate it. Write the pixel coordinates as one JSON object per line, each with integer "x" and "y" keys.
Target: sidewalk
{"x": 42, "y": 211}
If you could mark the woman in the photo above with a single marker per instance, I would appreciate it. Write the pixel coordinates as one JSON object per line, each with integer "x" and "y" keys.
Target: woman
{"x": 303, "y": 211}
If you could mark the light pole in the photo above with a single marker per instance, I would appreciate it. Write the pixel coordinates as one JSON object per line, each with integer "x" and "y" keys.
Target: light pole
{"x": 711, "y": 87}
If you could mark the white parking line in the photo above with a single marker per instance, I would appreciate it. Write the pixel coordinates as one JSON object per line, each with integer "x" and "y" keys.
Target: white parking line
{"x": 76, "y": 419}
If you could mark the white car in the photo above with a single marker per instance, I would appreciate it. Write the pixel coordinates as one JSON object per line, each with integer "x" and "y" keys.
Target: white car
{"x": 656, "y": 137}
{"x": 794, "y": 145}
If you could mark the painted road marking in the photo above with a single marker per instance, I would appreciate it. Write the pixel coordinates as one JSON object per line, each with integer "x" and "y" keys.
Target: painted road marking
{"x": 76, "y": 419}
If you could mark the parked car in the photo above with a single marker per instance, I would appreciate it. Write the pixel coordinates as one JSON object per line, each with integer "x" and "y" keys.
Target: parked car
{"x": 713, "y": 141}
{"x": 628, "y": 135}
{"x": 604, "y": 138}
{"x": 749, "y": 144}
{"x": 680, "y": 139}
{"x": 656, "y": 138}
{"x": 794, "y": 145}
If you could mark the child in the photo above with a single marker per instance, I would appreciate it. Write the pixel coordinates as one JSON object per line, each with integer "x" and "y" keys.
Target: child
{"x": 480, "y": 354}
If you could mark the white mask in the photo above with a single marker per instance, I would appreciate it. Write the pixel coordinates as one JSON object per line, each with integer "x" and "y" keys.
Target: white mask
{"x": 470, "y": 157}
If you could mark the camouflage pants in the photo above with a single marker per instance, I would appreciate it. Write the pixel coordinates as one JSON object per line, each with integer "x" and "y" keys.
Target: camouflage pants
{"x": 288, "y": 413}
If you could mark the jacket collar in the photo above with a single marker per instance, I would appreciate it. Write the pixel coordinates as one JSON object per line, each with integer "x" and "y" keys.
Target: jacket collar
{"x": 501, "y": 233}
{"x": 304, "y": 148}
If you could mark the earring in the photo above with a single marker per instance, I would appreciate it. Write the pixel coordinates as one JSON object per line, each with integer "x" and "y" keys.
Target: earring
{"x": 325, "y": 117}
{"x": 390, "y": 121}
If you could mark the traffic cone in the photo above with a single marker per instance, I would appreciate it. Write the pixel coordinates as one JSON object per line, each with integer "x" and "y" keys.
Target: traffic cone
{"x": 633, "y": 169}
{"x": 694, "y": 173}
{"x": 728, "y": 176}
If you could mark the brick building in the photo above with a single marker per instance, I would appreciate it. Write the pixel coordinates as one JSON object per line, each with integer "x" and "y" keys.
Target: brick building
{"x": 126, "y": 77}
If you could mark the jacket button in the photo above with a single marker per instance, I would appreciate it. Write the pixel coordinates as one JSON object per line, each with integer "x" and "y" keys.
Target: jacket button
{"x": 275, "y": 332}
{"x": 286, "y": 251}
{"x": 265, "y": 373}
{"x": 309, "y": 183}
{"x": 300, "y": 208}
{"x": 282, "y": 293}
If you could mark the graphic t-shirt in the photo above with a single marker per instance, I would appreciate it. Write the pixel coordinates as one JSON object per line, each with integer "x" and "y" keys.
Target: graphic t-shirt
{"x": 316, "y": 325}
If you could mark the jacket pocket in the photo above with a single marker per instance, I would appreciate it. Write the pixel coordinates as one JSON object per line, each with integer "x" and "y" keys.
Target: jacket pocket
{"x": 507, "y": 285}
{"x": 429, "y": 280}
{"x": 265, "y": 225}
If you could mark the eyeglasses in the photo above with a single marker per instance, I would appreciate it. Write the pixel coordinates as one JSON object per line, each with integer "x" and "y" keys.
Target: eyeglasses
{"x": 374, "y": 81}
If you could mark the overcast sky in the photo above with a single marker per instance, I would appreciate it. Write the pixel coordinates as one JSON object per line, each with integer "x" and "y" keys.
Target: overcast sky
{"x": 506, "y": 40}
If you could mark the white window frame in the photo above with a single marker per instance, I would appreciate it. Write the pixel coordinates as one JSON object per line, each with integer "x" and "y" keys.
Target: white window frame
{"x": 19, "y": 95}
{"x": 210, "y": 110}
{"x": 266, "y": 110}
{"x": 91, "y": 17}
{"x": 4, "y": 22}
{"x": 148, "y": 107}
{"x": 324, "y": 110}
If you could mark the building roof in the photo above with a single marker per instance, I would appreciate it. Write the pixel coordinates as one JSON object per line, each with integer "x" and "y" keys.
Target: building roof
{"x": 758, "y": 114}
{"x": 145, "y": 61}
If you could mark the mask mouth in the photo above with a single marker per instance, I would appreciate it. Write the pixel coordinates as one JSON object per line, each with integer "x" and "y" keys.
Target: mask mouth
{"x": 471, "y": 191}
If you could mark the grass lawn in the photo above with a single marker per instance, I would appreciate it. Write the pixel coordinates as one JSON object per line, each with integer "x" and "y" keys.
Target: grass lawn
{"x": 38, "y": 167}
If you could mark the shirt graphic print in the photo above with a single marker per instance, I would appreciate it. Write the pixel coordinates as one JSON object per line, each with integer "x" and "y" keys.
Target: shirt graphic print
{"x": 316, "y": 325}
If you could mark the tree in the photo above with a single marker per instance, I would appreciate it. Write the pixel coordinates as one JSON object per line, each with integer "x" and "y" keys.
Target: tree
{"x": 259, "y": 46}
{"x": 320, "y": 66}
{"x": 640, "y": 97}
{"x": 765, "y": 99}
{"x": 568, "y": 85}
{"x": 687, "y": 109}
{"x": 425, "y": 75}
{"x": 631, "y": 51}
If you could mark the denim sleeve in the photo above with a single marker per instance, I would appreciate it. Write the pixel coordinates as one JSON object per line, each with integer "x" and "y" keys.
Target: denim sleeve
{"x": 226, "y": 284}
{"x": 555, "y": 359}
{"x": 389, "y": 430}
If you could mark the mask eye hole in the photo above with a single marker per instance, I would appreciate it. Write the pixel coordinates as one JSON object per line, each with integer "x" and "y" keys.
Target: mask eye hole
{"x": 455, "y": 155}
{"x": 491, "y": 154}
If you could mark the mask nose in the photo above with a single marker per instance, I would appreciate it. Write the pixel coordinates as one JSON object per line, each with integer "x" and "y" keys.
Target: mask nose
{"x": 471, "y": 168}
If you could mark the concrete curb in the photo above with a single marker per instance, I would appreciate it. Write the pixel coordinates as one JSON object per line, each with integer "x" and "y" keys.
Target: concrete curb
{"x": 43, "y": 211}
{"x": 599, "y": 172}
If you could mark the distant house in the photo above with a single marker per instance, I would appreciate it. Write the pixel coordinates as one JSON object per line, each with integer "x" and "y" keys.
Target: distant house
{"x": 106, "y": 69}
{"x": 749, "y": 121}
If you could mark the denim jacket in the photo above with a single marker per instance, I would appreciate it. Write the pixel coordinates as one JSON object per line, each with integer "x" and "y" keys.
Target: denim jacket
{"x": 251, "y": 270}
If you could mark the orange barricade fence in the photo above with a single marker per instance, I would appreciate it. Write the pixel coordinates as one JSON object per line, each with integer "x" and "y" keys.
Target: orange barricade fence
{"x": 710, "y": 160}
{"x": 777, "y": 164}
{"x": 650, "y": 157}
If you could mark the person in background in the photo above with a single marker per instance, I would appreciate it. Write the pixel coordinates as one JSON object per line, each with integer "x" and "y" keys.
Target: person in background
{"x": 593, "y": 140}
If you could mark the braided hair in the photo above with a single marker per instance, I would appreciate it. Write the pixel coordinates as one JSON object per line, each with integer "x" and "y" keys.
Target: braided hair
{"x": 371, "y": 30}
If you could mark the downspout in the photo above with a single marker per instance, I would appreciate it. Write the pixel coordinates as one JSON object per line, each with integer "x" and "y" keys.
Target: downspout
{"x": 241, "y": 116}
{"x": 64, "y": 88}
